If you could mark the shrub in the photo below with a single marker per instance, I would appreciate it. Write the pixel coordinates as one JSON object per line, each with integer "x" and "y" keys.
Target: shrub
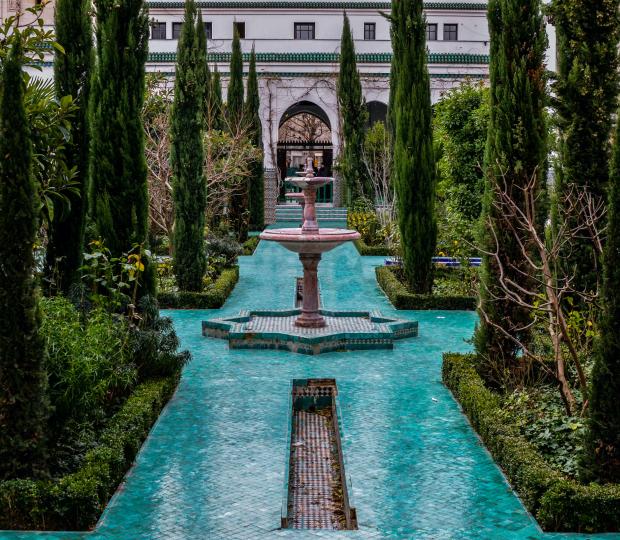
{"x": 558, "y": 503}
{"x": 76, "y": 501}
{"x": 401, "y": 298}
{"x": 250, "y": 245}
{"x": 372, "y": 251}
{"x": 89, "y": 368}
{"x": 213, "y": 298}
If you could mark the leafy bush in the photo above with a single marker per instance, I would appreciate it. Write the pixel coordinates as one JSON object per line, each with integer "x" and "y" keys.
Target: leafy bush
{"x": 213, "y": 298}
{"x": 89, "y": 366}
{"x": 76, "y": 501}
{"x": 250, "y": 245}
{"x": 222, "y": 253}
{"x": 558, "y": 503}
{"x": 401, "y": 298}
{"x": 540, "y": 417}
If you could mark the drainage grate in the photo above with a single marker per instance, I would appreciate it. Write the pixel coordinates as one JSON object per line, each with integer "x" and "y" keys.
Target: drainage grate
{"x": 317, "y": 494}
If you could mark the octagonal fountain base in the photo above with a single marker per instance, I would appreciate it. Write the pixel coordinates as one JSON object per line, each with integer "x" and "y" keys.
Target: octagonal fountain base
{"x": 344, "y": 331}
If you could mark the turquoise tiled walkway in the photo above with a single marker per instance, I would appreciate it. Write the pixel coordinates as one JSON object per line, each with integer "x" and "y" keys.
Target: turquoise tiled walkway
{"x": 212, "y": 467}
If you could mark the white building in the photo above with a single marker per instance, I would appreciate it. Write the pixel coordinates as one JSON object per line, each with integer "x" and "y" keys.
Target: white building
{"x": 297, "y": 44}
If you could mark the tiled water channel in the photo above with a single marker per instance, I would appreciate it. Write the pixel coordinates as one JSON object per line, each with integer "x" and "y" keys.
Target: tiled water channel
{"x": 213, "y": 465}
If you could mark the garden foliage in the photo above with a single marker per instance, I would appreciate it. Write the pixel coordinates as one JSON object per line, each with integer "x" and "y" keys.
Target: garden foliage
{"x": 414, "y": 161}
{"x": 238, "y": 204}
{"x": 602, "y": 458}
{"x": 119, "y": 193}
{"x": 515, "y": 152}
{"x": 256, "y": 198}
{"x": 586, "y": 91}
{"x": 72, "y": 73}
{"x": 186, "y": 154}
{"x": 23, "y": 382}
{"x": 559, "y": 503}
{"x": 354, "y": 118}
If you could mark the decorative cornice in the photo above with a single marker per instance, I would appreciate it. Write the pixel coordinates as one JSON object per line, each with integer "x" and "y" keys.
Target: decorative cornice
{"x": 328, "y": 58}
{"x": 289, "y": 4}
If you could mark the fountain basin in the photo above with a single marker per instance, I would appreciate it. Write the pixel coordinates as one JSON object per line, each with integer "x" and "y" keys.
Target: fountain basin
{"x": 311, "y": 243}
{"x": 306, "y": 182}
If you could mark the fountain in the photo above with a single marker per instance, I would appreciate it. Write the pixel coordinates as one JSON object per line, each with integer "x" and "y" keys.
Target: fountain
{"x": 310, "y": 242}
{"x": 311, "y": 329}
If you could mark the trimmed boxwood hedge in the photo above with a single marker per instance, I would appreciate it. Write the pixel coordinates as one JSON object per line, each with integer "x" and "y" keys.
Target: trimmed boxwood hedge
{"x": 75, "y": 501}
{"x": 374, "y": 251}
{"x": 213, "y": 298}
{"x": 559, "y": 503}
{"x": 401, "y": 298}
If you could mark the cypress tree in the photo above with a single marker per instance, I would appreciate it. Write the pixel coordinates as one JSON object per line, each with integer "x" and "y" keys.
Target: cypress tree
{"x": 354, "y": 119}
{"x": 516, "y": 150}
{"x": 72, "y": 78}
{"x": 602, "y": 459}
{"x": 414, "y": 162}
{"x": 23, "y": 380}
{"x": 586, "y": 98}
{"x": 257, "y": 183}
{"x": 234, "y": 97}
{"x": 202, "y": 69}
{"x": 238, "y": 210}
{"x": 186, "y": 156}
{"x": 216, "y": 108}
{"x": 119, "y": 192}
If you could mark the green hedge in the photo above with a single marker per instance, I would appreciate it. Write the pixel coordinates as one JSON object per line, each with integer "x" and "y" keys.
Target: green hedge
{"x": 250, "y": 245}
{"x": 213, "y": 298}
{"x": 559, "y": 503}
{"x": 401, "y": 298}
{"x": 374, "y": 251}
{"x": 75, "y": 501}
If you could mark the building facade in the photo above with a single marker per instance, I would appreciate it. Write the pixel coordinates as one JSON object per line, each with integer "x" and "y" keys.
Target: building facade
{"x": 297, "y": 44}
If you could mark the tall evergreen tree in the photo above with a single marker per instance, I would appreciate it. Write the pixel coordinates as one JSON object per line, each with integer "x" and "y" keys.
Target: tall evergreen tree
{"x": 186, "y": 155}
{"x": 257, "y": 182}
{"x": 234, "y": 96}
{"x": 72, "y": 78}
{"x": 414, "y": 161}
{"x": 586, "y": 90}
{"x": 354, "y": 119}
{"x": 216, "y": 107}
{"x": 516, "y": 151}
{"x": 23, "y": 380}
{"x": 203, "y": 73}
{"x": 602, "y": 459}
{"x": 119, "y": 192}
{"x": 238, "y": 209}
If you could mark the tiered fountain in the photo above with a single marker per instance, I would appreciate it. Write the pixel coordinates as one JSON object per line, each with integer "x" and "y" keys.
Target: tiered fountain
{"x": 310, "y": 242}
{"x": 311, "y": 330}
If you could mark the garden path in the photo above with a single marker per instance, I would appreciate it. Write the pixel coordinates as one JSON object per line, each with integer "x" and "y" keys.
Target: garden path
{"x": 212, "y": 467}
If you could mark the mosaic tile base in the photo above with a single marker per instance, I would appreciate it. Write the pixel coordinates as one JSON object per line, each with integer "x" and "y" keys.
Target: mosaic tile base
{"x": 345, "y": 331}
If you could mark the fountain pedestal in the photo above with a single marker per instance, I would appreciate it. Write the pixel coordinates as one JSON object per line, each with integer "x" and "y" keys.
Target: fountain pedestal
{"x": 310, "y": 316}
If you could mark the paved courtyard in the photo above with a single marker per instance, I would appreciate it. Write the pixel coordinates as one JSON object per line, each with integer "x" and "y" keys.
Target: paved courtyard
{"x": 213, "y": 466}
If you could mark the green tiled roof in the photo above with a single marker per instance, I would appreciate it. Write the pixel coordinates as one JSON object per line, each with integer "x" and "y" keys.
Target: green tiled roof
{"x": 330, "y": 58}
{"x": 289, "y": 4}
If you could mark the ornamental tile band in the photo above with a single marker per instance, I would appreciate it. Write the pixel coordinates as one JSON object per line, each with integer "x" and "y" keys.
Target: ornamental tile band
{"x": 462, "y": 6}
{"x": 328, "y": 58}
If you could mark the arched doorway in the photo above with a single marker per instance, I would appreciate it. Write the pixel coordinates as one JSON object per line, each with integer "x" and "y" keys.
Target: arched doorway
{"x": 305, "y": 129}
{"x": 377, "y": 112}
